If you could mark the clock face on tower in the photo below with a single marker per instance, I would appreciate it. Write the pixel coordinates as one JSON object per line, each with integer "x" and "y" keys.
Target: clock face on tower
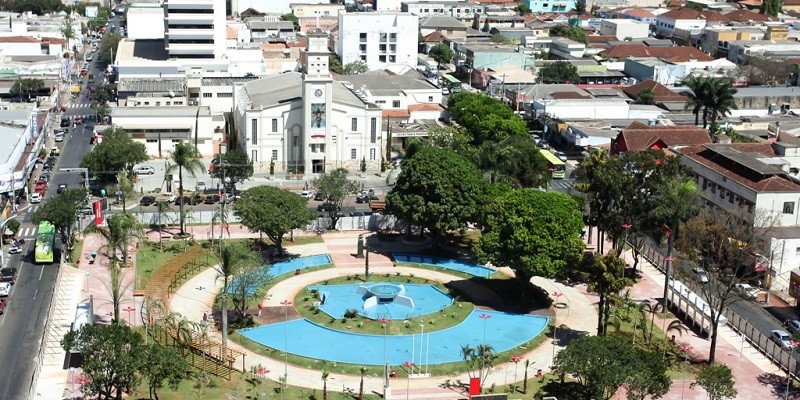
{"x": 318, "y": 93}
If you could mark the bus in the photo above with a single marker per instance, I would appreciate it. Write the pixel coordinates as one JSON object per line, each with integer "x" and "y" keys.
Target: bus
{"x": 556, "y": 166}
{"x": 45, "y": 242}
{"x": 450, "y": 83}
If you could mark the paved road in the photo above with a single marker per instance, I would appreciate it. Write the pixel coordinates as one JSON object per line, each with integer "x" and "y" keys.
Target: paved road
{"x": 22, "y": 325}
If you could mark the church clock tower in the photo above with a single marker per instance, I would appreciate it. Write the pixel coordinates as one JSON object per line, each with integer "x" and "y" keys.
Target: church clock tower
{"x": 316, "y": 140}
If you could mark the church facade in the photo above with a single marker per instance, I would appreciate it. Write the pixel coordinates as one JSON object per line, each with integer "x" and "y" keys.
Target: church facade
{"x": 307, "y": 123}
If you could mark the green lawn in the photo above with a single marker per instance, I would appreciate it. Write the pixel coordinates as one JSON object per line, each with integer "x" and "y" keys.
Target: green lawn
{"x": 150, "y": 257}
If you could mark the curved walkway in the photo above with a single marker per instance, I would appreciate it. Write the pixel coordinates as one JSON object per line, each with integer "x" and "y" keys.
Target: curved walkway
{"x": 196, "y": 296}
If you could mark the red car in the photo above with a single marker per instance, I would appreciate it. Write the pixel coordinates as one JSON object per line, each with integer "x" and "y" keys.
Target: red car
{"x": 41, "y": 187}
{"x": 78, "y": 120}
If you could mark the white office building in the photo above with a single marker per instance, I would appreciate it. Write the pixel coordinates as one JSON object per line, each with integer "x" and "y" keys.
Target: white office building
{"x": 378, "y": 39}
{"x": 195, "y": 28}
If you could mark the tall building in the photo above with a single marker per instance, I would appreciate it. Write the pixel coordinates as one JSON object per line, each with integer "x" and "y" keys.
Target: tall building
{"x": 194, "y": 28}
{"x": 378, "y": 39}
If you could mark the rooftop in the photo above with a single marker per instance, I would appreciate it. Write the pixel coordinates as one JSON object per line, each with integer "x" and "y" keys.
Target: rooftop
{"x": 441, "y": 21}
{"x": 661, "y": 93}
{"x": 286, "y": 88}
{"x": 639, "y": 137}
{"x": 670, "y": 54}
{"x": 161, "y": 85}
{"x": 161, "y": 112}
{"x": 384, "y": 84}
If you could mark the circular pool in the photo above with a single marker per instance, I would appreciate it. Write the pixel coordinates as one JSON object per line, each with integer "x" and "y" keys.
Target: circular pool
{"x": 385, "y": 291}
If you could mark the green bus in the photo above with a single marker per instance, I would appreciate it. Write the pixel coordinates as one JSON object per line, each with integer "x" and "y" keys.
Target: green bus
{"x": 45, "y": 242}
{"x": 450, "y": 83}
{"x": 556, "y": 166}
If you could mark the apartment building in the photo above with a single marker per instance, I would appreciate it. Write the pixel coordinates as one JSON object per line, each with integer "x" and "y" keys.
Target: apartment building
{"x": 461, "y": 10}
{"x": 378, "y": 39}
{"x": 194, "y": 29}
{"x": 547, "y": 6}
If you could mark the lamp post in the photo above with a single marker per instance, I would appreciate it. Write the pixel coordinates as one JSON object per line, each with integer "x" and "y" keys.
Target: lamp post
{"x": 793, "y": 344}
{"x": 410, "y": 366}
{"x": 555, "y": 327}
{"x": 286, "y": 304}
{"x": 516, "y": 359}
{"x": 685, "y": 348}
{"x": 262, "y": 373}
{"x": 130, "y": 309}
{"x": 484, "y": 317}
{"x": 385, "y": 322}
{"x": 627, "y": 228}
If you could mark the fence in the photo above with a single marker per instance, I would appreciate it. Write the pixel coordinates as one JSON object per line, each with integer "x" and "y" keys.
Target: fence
{"x": 185, "y": 272}
{"x": 47, "y": 325}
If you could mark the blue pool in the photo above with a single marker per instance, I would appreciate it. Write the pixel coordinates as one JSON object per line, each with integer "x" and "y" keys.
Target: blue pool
{"x": 303, "y": 338}
{"x": 448, "y": 263}
{"x": 424, "y": 299}
{"x": 252, "y": 280}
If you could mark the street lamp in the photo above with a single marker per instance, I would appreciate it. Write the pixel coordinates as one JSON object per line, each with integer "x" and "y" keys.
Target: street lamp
{"x": 516, "y": 359}
{"x": 410, "y": 366}
{"x": 385, "y": 322}
{"x": 685, "y": 348}
{"x": 555, "y": 326}
{"x": 793, "y": 344}
{"x": 484, "y": 317}
{"x": 286, "y": 304}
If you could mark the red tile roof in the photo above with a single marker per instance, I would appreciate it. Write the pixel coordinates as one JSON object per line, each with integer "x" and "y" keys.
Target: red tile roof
{"x": 713, "y": 16}
{"x": 751, "y": 3}
{"x": 791, "y": 2}
{"x": 747, "y": 15}
{"x": 435, "y": 36}
{"x": 601, "y": 38}
{"x": 681, "y": 13}
{"x": 425, "y": 107}
{"x": 18, "y": 39}
{"x": 777, "y": 182}
{"x": 398, "y": 113}
{"x": 639, "y": 13}
{"x": 670, "y": 54}
{"x": 661, "y": 93}
{"x": 639, "y": 137}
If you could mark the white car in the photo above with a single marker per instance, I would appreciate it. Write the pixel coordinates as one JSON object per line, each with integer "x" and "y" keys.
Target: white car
{"x": 561, "y": 156}
{"x": 701, "y": 275}
{"x": 200, "y": 186}
{"x": 307, "y": 194}
{"x": 36, "y": 198}
{"x": 746, "y": 291}
{"x": 59, "y": 137}
{"x": 144, "y": 170}
{"x": 15, "y": 250}
{"x": 782, "y": 338}
{"x": 5, "y": 289}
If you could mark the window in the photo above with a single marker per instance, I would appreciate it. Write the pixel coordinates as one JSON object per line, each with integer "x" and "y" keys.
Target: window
{"x": 254, "y": 156}
{"x": 178, "y": 103}
{"x": 152, "y": 140}
{"x": 353, "y": 154}
{"x": 396, "y": 103}
{"x": 372, "y": 154}
{"x": 430, "y": 99}
{"x": 362, "y": 36}
{"x": 705, "y": 184}
{"x": 788, "y": 207}
{"x": 225, "y": 95}
{"x": 373, "y": 130}
{"x": 721, "y": 193}
{"x": 274, "y": 154}
{"x": 730, "y": 197}
{"x": 207, "y": 95}
{"x": 254, "y": 131}
{"x": 713, "y": 187}
{"x": 274, "y": 125}
{"x": 353, "y": 124}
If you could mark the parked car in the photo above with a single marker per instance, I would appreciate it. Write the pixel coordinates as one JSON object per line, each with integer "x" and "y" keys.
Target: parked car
{"x": 782, "y": 338}
{"x": 144, "y": 170}
{"x": 55, "y": 151}
{"x": 36, "y": 198}
{"x": 200, "y": 186}
{"x": 544, "y": 145}
{"x": 188, "y": 200}
{"x": 211, "y": 199}
{"x": 746, "y": 291}
{"x": 59, "y": 137}
{"x": 561, "y": 156}
{"x": 366, "y": 198}
{"x": 147, "y": 201}
{"x": 62, "y": 187}
{"x": 5, "y": 289}
{"x": 8, "y": 274}
{"x": 64, "y": 122}
{"x": 45, "y": 177}
{"x": 14, "y": 249}
{"x": 701, "y": 275}
{"x": 319, "y": 196}
{"x": 793, "y": 326}
{"x": 307, "y": 194}
{"x": 78, "y": 120}
{"x": 327, "y": 207}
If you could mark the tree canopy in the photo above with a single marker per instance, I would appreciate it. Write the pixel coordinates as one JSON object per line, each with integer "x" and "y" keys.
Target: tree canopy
{"x": 273, "y": 211}
{"x": 559, "y": 72}
{"x": 771, "y": 7}
{"x": 234, "y": 166}
{"x": 38, "y": 7}
{"x": 485, "y": 118}
{"x": 441, "y": 53}
{"x": 355, "y": 68}
{"x": 603, "y": 364}
{"x": 532, "y": 232}
{"x": 438, "y": 190}
{"x": 334, "y": 187}
{"x": 60, "y": 211}
{"x": 718, "y": 382}
{"x": 117, "y": 152}
{"x": 575, "y": 33}
{"x": 108, "y": 44}
{"x": 604, "y": 276}
{"x": 27, "y": 88}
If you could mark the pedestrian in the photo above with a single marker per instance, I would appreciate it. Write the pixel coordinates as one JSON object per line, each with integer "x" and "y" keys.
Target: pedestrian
{"x": 259, "y": 309}
{"x": 205, "y": 318}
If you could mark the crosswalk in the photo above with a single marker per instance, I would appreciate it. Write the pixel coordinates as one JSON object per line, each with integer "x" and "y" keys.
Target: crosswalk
{"x": 83, "y": 104}
{"x": 562, "y": 184}
{"x": 26, "y": 232}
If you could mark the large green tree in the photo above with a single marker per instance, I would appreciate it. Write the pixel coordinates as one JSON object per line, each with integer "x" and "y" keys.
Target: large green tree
{"x": 27, "y": 88}
{"x": 112, "y": 355}
{"x": 603, "y": 364}
{"x": 272, "y": 211}
{"x": 718, "y": 382}
{"x": 485, "y": 118}
{"x": 235, "y": 259}
{"x": 185, "y": 157}
{"x": 335, "y": 187}
{"x": 61, "y": 211}
{"x": 355, "y": 68}
{"x": 441, "y": 53}
{"x": 534, "y": 233}
{"x": 160, "y": 364}
{"x": 234, "y": 166}
{"x": 711, "y": 96}
{"x": 575, "y": 33}
{"x": 118, "y": 236}
{"x": 605, "y": 277}
{"x": 771, "y": 7}
{"x": 117, "y": 152}
{"x": 108, "y": 47}
{"x": 437, "y": 190}
{"x": 559, "y": 72}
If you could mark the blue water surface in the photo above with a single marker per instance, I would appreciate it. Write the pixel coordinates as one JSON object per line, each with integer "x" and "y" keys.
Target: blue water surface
{"x": 447, "y": 263}
{"x": 262, "y": 274}
{"x": 340, "y": 298}
{"x": 502, "y": 331}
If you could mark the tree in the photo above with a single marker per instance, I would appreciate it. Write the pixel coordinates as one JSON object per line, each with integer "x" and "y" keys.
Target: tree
{"x": 121, "y": 228}
{"x": 108, "y": 45}
{"x": 234, "y": 259}
{"x": 273, "y": 212}
{"x": 441, "y": 53}
{"x": 580, "y": 6}
{"x": 603, "y": 364}
{"x": 27, "y": 87}
{"x": 184, "y": 157}
{"x": 485, "y": 118}
{"x": 727, "y": 245}
{"x": 163, "y": 211}
{"x": 771, "y": 7}
{"x": 694, "y": 96}
{"x": 68, "y": 31}
{"x": 334, "y": 187}
{"x": 570, "y": 32}
{"x": 559, "y": 72}
{"x": 532, "y": 232}
{"x": 717, "y": 380}
{"x": 161, "y": 364}
{"x": 437, "y": 190}
{"x": 334, "y": 64}
{"x": 362, "y": 371}
{"x": 293, "y": 19}
{"x": 645, "y": 97}
{"x": 117, "y": 152}
{"x": 523, "y": 9}
{"x": 479, "y": 360}
{"x": 719, "y": 100}
{"x": 325, "y": 375}
{"x": 355, "y": 68}
{"x": 605, "y": 276}
{"x": 61, "y": 211}
{"x": 112, "y": 355}
{"x": 234, "y": 166}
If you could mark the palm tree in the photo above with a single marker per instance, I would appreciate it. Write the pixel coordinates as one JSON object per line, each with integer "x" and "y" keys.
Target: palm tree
{"x": 184, "y": 157}
{"x": 694, "y": 98}
{"x": 362, "y": 371}
{"x": 162, "y": 210}
{"x": 719, "y": 99}
{"x": 645, "y": 97}
{"x": 325, "y": 374}
{"x": 226, "y": 269}
{"x": 182, "y": 328}
{"x": 674, "y": 326}
{"x": 117, "y": 237}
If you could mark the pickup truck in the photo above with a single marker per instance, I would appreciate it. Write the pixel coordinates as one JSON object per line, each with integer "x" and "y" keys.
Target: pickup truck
{"x": 377, "y": 205}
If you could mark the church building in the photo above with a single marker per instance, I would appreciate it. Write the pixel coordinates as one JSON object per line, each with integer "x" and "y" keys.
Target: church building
{"x": 307, "y": 123}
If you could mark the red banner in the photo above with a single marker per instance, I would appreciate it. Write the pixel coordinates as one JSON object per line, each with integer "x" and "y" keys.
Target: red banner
{"x": 97, "y": 207}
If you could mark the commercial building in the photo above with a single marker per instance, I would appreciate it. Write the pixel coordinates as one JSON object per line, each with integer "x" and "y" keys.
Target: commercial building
{"x": 378, "y": 39}
{"x": 194, "y": 28}
{"x": 624, "y": 28}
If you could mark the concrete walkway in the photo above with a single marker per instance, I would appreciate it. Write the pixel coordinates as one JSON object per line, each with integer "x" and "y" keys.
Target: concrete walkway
{"x": 196, "y": 297}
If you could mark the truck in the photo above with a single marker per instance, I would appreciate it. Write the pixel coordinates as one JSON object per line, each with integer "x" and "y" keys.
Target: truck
{"x": 377, "y": 206}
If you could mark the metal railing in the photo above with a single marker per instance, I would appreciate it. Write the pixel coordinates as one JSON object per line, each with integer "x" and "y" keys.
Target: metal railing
{"x": 47, "y": 325}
